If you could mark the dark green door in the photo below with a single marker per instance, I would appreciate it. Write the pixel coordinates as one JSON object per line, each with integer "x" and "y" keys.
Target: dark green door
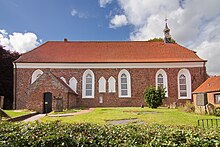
{"x": 47, "y": 102}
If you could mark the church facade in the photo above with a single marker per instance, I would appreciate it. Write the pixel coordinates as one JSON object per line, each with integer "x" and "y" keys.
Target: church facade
{"x": 105, "y": 74}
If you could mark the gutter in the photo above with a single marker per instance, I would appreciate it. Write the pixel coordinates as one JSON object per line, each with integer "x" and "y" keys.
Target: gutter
{"x": 205, "y": 72}
{"x": 14, "y": 85}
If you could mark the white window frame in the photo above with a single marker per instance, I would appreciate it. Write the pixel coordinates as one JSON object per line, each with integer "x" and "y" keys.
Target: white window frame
{"x": 187, "y": 74}
{"x": 35, "y": 75}
{"x": 111, "y": 85}
{"x": 124, "y": 71}
{"x": 100, "y": 99}
{"x": 88, "y": 71}
{"x": 102, "y": 85}
{"x": 165, "y": 80}
{"x": 73, "y": 84}
{"x": 217, "y": 98}
{"x": 162, "y": 83}
{"x": 183, "y": 84}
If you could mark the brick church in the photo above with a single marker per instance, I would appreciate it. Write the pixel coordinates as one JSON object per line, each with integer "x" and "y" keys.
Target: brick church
{"x": 105, "y": 74}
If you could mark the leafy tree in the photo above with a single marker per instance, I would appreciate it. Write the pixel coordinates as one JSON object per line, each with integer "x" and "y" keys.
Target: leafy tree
{"x": 154, "y": 96}
{"x": 155, "y": 40}
{"x": 6, "y": 76}
{"x": 160, "y": 39}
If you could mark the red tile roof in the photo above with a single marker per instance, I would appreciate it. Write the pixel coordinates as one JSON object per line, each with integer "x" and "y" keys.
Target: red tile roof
{"x": 212, "y": 84}
{"x": 112, "y": 52}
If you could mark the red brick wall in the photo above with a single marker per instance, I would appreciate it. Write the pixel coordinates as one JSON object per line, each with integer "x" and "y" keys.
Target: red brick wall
{"x": 72, "y": 98}
{"x": 211, "y": 98}
{"x": 33, "y": 96}
{"x": 140, "y": 79}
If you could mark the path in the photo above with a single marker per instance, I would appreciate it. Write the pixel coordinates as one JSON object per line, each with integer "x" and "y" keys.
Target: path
{"x": 35, "y": 117}
{"x": 38, "y": 116}
{"x": 72, "y": 114}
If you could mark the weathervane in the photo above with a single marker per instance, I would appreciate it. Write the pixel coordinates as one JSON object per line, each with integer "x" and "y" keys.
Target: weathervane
{"x": 166, "y": 20}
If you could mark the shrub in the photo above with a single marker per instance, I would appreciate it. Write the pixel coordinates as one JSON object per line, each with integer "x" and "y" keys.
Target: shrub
{"x": 64, "y": 134}
{"x": 154, "y": 96}
{"x": 188, "y": 107}
{"x": 217, "y": 111}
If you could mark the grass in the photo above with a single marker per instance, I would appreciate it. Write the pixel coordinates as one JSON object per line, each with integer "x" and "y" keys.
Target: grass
{"x": 66, "y": 111}
{"x": 97, "y": 116}
{"x": 161, "y": 116}
{"x": 16, "y": 113}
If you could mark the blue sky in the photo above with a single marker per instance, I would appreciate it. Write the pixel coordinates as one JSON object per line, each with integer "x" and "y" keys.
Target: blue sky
{"x": 195, "y": 24}
{"x": 52, "y": 19}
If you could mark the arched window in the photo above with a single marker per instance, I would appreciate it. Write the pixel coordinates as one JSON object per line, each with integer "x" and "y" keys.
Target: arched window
{"x": 124, "y": 83}
{"x": 63, "y": 79}
{"x": 73, "y": 84}
{"x": 184, "y": 84}
{"x": 111, "y": 85}
{"x": 102, "y": 85}
{"x": 88, "y": 86}
{"x": 36, "y": 74}
{"x": 161, "y": 80}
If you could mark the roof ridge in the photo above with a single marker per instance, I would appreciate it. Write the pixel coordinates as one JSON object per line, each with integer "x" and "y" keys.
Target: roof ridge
{"x": 111, "y": 41}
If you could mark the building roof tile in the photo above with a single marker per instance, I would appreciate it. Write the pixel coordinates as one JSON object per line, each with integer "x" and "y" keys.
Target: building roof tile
{"x": 109, "y": 52}
{"x": 212, "y": 84}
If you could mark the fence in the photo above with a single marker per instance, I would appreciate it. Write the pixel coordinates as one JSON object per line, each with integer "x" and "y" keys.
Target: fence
{"x": 207, "y": 123}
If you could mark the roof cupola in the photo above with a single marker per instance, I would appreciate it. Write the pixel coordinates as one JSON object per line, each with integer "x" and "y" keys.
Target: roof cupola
{"x": 167, "y": 36}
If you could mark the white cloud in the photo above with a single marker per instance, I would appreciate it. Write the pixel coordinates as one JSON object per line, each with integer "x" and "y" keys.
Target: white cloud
{"x": 82, "y": 15}
{"x": 76, "y": 13}
{"x": 20, "y": 42}
{"x": 3, "y": 32}
{"x": 210, "y": 51}
{"x": 103, "y": 3}
{"x": 194, "y": 24}
{"x": 118, "y": 21}
{"x": 139, "y": 11}
{"x": 73, "y": 12}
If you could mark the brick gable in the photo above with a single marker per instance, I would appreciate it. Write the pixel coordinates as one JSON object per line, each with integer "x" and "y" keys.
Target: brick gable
{"x": 33, "y": 97}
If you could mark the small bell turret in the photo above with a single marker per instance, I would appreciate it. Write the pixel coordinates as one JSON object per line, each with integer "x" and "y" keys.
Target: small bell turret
{"x": 167, "y": 36}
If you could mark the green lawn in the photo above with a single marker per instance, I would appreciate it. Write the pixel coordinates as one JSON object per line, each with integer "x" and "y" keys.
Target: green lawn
{"x": 66, "y": 111}
{"x": 161, "y": 116}
{"x": 16, "y": 113}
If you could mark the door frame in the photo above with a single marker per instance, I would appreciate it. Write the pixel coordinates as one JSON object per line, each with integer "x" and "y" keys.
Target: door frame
{"x": 47, "y": 97}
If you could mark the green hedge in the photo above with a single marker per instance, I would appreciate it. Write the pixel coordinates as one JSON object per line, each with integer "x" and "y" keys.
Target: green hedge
{"x": 63, "y": 134}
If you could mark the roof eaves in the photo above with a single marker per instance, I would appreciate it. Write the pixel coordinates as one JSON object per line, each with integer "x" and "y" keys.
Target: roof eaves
{"x": 208, "y": 91}
{"x": 124, "y": 62}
